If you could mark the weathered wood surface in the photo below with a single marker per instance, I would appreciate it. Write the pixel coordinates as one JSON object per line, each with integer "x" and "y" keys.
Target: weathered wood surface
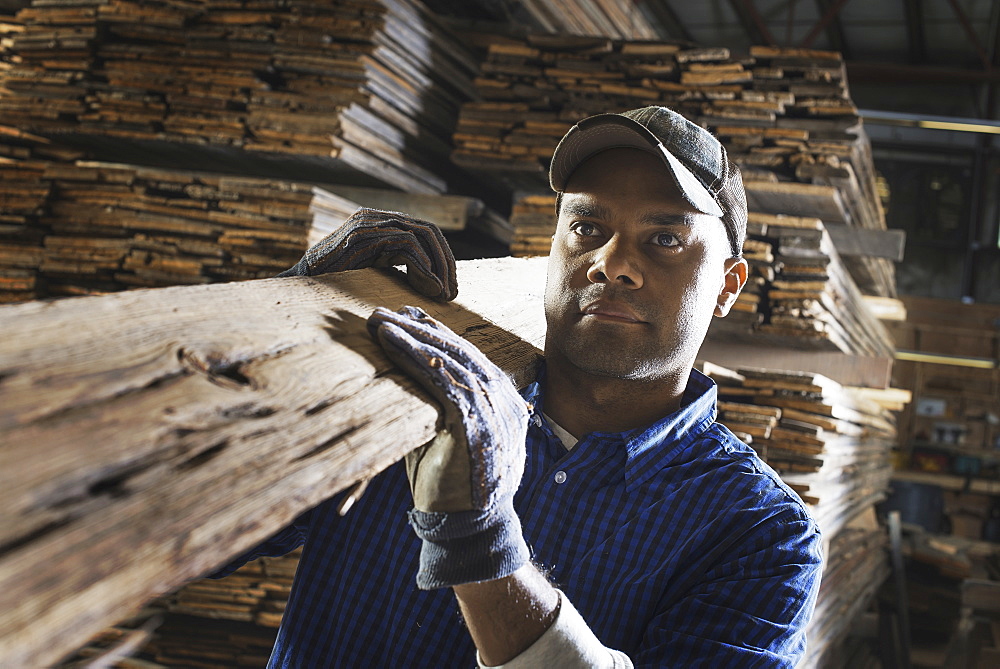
{"x": 150, "y": 435}
{"x": 844, "y": 368}
{"x": 368, "y": 89}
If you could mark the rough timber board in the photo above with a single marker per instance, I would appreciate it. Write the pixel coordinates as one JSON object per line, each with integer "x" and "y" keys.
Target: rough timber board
{"x": 797, "y": 199}
{"x": 151, "y": 435}
{"x": 849, "y": 370}
{"x": 227, "y": 160}
{"x": 851, "y": 241}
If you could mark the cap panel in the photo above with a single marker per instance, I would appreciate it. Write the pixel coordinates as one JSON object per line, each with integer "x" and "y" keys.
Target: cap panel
{"x": 696, "y": 147}
{"x": 690, "y": 186}
{"x": 612, "y": 131}
{"x": 582, "y": 142}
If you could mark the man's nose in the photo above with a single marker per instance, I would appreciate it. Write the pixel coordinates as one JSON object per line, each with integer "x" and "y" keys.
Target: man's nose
{"x": 615, "y": 262}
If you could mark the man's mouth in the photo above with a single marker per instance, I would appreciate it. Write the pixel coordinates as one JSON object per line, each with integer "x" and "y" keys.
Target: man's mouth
{"x": 607, "y": 311}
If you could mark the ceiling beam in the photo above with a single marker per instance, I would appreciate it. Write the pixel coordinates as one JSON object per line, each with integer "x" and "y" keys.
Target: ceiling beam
{"x": 914, "y": 10}
{"x": 753, "y": 22}
{"x": 888, "y": 73}
{"x": 990, "y": 90}
{"x": 664, "y": 15}
{"x": 994, "y": 29}
{"x": 963, "y": 18}
{"x": 829, "y": 22}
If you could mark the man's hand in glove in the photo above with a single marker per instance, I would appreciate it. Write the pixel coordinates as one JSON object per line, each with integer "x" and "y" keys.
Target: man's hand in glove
{"x": 463, "y": 487}
{"x": 464, "y": 481}
{"x": 374, "y": 238}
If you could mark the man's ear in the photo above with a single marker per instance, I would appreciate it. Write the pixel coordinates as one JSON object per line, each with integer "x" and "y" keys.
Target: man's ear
{"x": 734, "y": 280}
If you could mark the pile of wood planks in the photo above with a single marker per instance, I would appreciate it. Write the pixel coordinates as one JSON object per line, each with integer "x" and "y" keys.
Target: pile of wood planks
{"x": 856, "y": 566}
{"x": 785, "y": 116}
{"x": 592, "y": 17}
{"x": 799, "y": 292}
{"x": 74, "y": 227}
{"x": 220, "y": 623}
{"x": 810, "y": 295}
{"x": 370, "y": 85}
{"x": 256, "y": 592}
{"x": 831, "y": 443}
{"x": 193, "y": 641}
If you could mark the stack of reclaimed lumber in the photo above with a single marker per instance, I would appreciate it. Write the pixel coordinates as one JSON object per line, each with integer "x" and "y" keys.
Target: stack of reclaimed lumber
{"x": 256, "y": 592}
{"x": 831, "y": 444}
{"x": 804, "y": 292}
{"x": 798, "y": 293}
{"x": 73, "y": 227}
{"x": 370, "y": 87}
{"x": 592, "y": 17}
{"x": 244, "y": 608}
{"x": 785, "y": 116}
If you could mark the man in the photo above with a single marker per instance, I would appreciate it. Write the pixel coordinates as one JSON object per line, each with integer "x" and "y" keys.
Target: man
{"x": 641, "y": 532}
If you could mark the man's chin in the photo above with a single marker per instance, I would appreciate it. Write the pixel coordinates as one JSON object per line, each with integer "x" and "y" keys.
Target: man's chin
{"x": 619, "y": 367}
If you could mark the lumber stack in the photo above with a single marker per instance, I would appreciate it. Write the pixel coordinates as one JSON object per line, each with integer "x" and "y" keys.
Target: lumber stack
{"x": 230, "y": 622}
{"x": 81, "y": 227}
{"x": 830, "y": 443}
{"x": 785, "y": 116}
{"x": 255, "y": 593}
{"x": 369, "y": 86}
{"x": 810, "y": 295}
{"x": 856, "y": 567}
{"x": 192, "y": 641}
{"x": 592, "y": 17}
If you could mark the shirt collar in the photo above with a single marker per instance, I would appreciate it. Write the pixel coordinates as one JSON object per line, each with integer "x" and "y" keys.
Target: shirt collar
{"x": 649, "y": 449}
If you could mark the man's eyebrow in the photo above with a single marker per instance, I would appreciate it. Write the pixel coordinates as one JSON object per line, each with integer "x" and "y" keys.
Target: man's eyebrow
{"x": 584, "y": 209}
{"x": 667, "y": 219}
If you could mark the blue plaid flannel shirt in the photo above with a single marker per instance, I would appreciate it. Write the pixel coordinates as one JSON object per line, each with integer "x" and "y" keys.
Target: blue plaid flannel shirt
{"x": 676, "y": 543}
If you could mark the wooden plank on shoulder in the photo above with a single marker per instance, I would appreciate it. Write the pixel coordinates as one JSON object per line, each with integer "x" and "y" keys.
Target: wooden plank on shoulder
{"x": 213, "y": 415}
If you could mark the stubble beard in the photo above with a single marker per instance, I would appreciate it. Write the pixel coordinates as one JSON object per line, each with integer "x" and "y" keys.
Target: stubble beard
{"x": 602, "y": 350}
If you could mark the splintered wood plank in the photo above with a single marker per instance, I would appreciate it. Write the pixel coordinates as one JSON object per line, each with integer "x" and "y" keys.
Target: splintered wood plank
{"x": 151, "y": 435}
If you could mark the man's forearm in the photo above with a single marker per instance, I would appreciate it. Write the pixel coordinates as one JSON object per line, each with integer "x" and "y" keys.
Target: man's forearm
{"x": 506, "y": 616}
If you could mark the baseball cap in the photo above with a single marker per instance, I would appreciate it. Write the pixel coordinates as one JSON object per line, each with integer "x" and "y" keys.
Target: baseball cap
{"x": 698, "y": 162}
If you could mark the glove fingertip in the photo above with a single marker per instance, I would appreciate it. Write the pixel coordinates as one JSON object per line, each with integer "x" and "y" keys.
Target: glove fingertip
{"x": 379, "y": 316}
{"x": 413, "y": 312}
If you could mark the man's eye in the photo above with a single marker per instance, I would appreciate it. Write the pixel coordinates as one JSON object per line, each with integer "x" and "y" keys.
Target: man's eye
{"x": 666, "y": 239}
{"x": 585, "y": 229}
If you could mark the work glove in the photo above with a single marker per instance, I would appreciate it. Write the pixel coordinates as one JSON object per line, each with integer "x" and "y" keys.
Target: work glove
{"x": 463, "y": 482}
{"x": 375, "y": 238}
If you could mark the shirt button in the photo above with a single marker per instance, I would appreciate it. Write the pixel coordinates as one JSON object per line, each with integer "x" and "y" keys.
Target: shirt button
{"x": 560, "y": 477}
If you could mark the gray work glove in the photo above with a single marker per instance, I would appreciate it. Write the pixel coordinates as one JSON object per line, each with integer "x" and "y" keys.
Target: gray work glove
{"x": 463, "y": 482}
{"x": 375, "y": 238}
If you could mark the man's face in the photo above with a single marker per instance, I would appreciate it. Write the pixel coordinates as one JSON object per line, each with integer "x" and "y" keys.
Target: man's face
{"x": 635, "y": 273}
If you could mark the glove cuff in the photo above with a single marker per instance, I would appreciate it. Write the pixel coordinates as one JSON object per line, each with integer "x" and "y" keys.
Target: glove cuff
{"x": 467, "y": 546}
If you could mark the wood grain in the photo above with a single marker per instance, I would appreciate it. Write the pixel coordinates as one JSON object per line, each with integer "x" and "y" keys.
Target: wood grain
{"x": 151, "y": 435}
